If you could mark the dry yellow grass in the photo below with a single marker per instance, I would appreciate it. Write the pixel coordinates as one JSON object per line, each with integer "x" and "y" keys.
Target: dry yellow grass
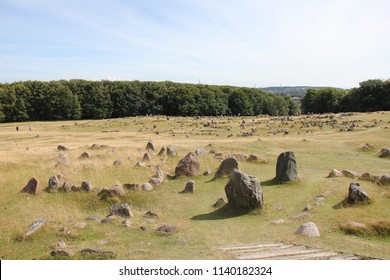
{"x": 32, "y": 152}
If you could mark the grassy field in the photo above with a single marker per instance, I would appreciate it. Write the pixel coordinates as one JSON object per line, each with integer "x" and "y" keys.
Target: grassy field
{"x": 320, "y": 143}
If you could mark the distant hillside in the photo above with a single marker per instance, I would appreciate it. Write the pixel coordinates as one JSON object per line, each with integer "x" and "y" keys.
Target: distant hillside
{"x": 293, "y": 91}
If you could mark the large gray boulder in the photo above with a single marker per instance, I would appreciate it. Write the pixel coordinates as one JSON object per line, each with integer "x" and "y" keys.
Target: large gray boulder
{"x": 356, "y": 194}
{"x": 226, "y": 168}
{"x": 286, "y": 168}
{"x": 122, "y": 210}
{"x": 243, "y": 191}
{"x": 188, "y": 166}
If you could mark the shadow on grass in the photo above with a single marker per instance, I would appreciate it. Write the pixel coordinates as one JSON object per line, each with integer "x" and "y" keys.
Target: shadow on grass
{"x": 271, "y": 182}
{"x": 225, "y": 212}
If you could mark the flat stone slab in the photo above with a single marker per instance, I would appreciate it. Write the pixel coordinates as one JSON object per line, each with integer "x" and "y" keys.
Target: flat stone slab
{"x": 282, "y": 251}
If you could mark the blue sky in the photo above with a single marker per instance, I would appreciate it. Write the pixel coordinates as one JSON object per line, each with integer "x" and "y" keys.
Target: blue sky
{"x": 245, "y": 43}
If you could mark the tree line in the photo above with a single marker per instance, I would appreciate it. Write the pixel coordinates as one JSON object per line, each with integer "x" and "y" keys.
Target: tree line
{"x": 370, "y": 96}
{"x": 81, "y": 99}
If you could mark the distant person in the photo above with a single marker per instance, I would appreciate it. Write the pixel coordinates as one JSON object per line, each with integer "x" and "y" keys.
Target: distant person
{"x": 17, "y": 128}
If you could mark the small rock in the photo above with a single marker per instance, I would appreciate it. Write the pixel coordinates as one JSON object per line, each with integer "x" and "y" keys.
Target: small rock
{"x": 61, "y": 253}
{"x": 300, "y": 216}
{"x": 32, "y": 187}
{"x": 384, "y": 153}
{"x": 209, "y": 171}
{"x": 114, "y": 191}
{"x": 64, "y": 230}
{"x": 117, "y": 163}
{"x": 154, "y": 181}
{"x": 367, "y": 147}
{"x": 122, "y": 210}
{"x": 62, "y": 148}
{"x": 143, "y": 228}
{"x": 53, "y": 184}
{"x": 140, "y": 164}
{"x": 384, "y": 180}
{"x": 167, "y": 229}
{"x": 219, "y": 203}
{"x": 66, "y": 187}
{"x": 335, "y": 173}
{"x": 355, "y": 225}
{"x": 84, "y": 155}
{"x": 131, "y": 187}
{"x": 200, "y": 151}
{"x": 252, "y": 157}
{"x": 97, "y": 251}
{"x": 189, "y": 187}
{"x": 63, "y": 160}
{"x": 35, "y": 226}
{"x": 171, "y": 152}
{"x": 150, "y": 214}
{"x": 351, "y": 174}
{"x": 108, "y": 219}
{"x": 308, "y": 229}
{"x": 86, "y": 186}
{"x": 147, "y": 187}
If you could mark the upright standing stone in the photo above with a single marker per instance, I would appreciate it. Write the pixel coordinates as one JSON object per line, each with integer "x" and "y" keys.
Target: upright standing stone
{"x": 32, "y": 187}
{"x": 86, "y": 186}
{"x": 171, "y": 152}
{"x": 286, "y": 168}
{"x": 357, "y": 194}
{"x": 150, "y": 146}
{"x": 188, "y": 166}
{"x": 244, "y": 191}
{"x": 226, "y": 168}
{"x": 53, "y": 184}
{"x": 189, "y": 187}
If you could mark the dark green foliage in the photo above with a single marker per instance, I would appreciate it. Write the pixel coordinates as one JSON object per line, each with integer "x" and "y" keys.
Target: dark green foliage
{"x": 74, "y": 99}
{"x": 372, "y": 95}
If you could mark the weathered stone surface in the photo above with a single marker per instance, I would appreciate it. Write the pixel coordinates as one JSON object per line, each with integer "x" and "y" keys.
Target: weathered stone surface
{"x": 252, "y": 157}
{"x": 167, "y": 229}
{"x": 226, "y": 168}
{"x": 154, "y": 182}
{"x": 350, "y": 173}
{"x": 209, "y": 171}
{"x": 117, "y": 162}
{"x": 147, "y": 187}
{"x": 53, "y": 184}
{"x": 35, "y": 226}
{"x": 80, "y": 225}
{"x": 286, "y": 168}
{"x": 86, "y": 186}
{"x": 335, "y": 173}
{"x": 189, "y": 187}
{"x": 127, "y": 223}
{"x": 300, "y": 216}
{"x": 200, "y": 151}
{"x": 244, "y": 191}
{"x": 188, "y": 166}
{"x": 355, "y": 225}
{"x": 131, "y": 187}
{"x": 122, "y": 210}
{"x": 92, "y": 218}
{"x": 278, "y": 222}
{"x": 66, "y": 187}
{"x": 160, "y": 175}
{"x": 108, "y": 219}
{"x": 150, "y": 214}
{"x": 384, "y": 153}
{"x": 219, "y": 203}
{"x": 150, "y": 146}
{"x": 171, "y": 151}
{"x": 32, "y": 187}
{"x": 384, "y": 180}
{"x": 309, "y": 229}
{"x": 356, "y": 194}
